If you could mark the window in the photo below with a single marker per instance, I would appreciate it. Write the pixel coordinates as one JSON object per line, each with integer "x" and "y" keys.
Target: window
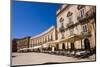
{"x": 80, "y": 7}
{"x": 61, "y": 19}
{"x": 51, "y": 37}
{"x": 71, "y": 31}
{"x": 48, "y": 38}
{"x": 69, "y": 15}
{"x": 70, "y": 19}
{"x": 61, "y": 29}
{"x": 62, "y": 35}
{"x": 84, "y": 28}
{"x": 62, "y": 25}
{"x": 82, "y": 13}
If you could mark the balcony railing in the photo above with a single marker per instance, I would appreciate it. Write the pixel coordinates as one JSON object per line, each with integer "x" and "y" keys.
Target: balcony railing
{"x": 62, "y": 37}
{"x": 86, "y": 34}
{"x": 82, "y": 19}
{"x": 88, "y": 15}
{"x": 72, "y": 34}
{"x": 70, "y": 24}
{"x": 61, "y": 29}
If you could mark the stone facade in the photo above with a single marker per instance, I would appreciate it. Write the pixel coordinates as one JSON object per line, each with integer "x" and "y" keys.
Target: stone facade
{"x": 44, "y": 39}
{"x": 23, "y": 43}
{"x": 76, "y": 26}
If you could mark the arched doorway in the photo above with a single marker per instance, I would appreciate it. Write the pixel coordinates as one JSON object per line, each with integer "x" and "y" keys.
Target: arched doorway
{"x": 57, "y": 46}
{"x": 72, "y": 46}
{"x": 63, "y": 46}
{"x": 86, "y": 44}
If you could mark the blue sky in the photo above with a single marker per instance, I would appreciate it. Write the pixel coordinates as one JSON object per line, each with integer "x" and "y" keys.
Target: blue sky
{"x": 32, "y": 18}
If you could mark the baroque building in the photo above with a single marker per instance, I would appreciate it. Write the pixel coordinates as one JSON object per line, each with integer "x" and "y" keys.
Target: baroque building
{"x": 75, "y": 30}
{"x": 76, "y": 27}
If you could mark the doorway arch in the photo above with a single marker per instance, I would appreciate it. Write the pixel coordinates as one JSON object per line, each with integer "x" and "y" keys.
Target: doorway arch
{"x": 86, "y": 44}
{"x": 72, "y": 46}
{"x": 63, "y": 46}
{"x": 57, "y": 46}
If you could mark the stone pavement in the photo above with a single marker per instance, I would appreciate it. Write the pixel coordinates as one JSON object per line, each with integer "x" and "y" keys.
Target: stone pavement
{"x": 41, "y": 58}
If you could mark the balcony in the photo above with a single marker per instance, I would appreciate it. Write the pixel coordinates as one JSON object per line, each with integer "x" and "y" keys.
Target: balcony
{"x": 50, "y": 40}
{"x": 73, "y": 37}
{"x": 69, "y": 25}
{"x": 62, "y": 29}
{"x": 72, "y": 34}
{"x": 86, "y": 34}
{"x": 88, "y": 15}
{"x": 91, "y": 13}
{"x": 82, "y": 19}
{"x": 62, "y": 37}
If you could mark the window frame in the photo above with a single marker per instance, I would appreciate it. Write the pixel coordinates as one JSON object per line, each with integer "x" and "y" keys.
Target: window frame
{"x": 84, "y": 27}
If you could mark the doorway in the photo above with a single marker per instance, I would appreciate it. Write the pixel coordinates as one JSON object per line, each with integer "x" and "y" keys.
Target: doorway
{"x": 86, "y": 44}
{"x": 63, "y": 46}
{"x": 72, "y": 46}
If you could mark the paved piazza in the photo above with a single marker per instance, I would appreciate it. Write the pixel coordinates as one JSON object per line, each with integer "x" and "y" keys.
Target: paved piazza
{"x": 40, "y": 58}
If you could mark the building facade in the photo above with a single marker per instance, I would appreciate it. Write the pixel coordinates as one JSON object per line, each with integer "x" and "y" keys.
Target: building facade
{"x": 76, "y": 27}
{"x": 44, "y": 39}
{"x": 23, "y": 44}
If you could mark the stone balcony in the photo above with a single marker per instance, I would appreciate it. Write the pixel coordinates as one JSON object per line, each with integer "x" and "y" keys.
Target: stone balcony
{"x": 62, "y": 37}
{"x": 74, "y": 37}
{"x": 70, "y": 24}
{"x": 86, "y": 34}
{"x": 82, "y": 19}
{"x": 62, "y": 29}
{"x": 91, "y": 13}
